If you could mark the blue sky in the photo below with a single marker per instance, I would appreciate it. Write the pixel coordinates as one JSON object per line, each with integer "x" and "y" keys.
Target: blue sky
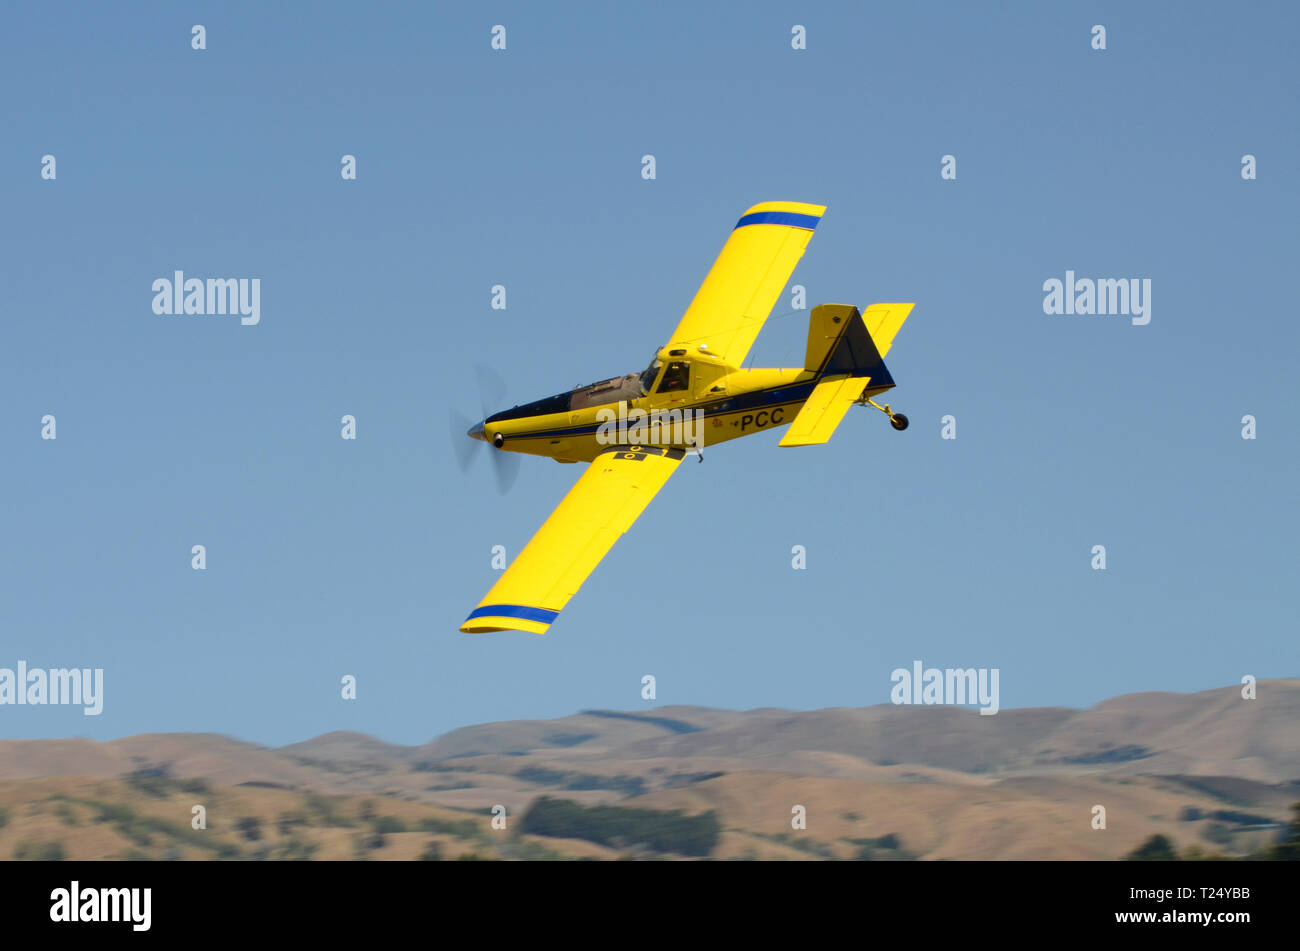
{"x": 522, "y": 167}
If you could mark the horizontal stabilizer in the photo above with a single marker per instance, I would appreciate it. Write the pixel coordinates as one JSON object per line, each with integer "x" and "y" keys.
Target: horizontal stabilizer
{"x": 883, "y": 321}
{"x": 823, "y": 410}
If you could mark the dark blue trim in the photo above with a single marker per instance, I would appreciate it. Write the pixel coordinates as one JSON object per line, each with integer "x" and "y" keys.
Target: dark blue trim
{"x": 793, "y": 219}
{"x": 514, "y": 610}
{"x": 855, "y": 354}
{"x": 790, "y": 393}
{"x": 758, "y": 399}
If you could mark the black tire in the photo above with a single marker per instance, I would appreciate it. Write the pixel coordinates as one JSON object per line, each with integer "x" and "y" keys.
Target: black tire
{"x": 898, "y": 421}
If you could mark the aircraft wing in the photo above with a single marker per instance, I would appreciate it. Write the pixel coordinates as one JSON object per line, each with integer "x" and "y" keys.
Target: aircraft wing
{"x": 600, "y": 507}
{"x": 751, "y": 271}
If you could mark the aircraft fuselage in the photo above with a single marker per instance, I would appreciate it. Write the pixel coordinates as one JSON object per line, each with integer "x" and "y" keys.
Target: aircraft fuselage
{"x": 711, "y": 403}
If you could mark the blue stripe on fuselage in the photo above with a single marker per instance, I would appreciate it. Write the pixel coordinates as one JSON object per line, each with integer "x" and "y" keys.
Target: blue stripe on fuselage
{"x": 756, "y": 399}
{"x": 793, "y": 393}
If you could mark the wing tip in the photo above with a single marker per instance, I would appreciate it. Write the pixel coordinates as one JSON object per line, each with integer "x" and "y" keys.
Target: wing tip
{"x": 496, "y": 625}
{"x": 490, "y": 618}
{"x": 792, "y": 214}
{"x": 796, "y": 207}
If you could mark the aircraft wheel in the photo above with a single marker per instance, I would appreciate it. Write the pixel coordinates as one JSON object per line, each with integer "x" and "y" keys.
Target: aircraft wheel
{"x": 898, "y": 421}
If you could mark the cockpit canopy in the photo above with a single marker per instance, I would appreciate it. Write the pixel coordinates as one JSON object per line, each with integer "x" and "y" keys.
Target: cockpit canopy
{"x": 672, "y": 373}
{"x": 676, "y": 374}
{"x": 626, "y": 388}
{"x": 649, "y": 375}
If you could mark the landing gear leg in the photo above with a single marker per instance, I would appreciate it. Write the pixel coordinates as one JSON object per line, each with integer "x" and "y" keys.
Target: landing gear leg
{"x": 897, "y": 420}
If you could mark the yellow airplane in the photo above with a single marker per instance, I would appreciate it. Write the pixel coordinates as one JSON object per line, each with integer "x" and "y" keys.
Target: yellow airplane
{"x": 634, "y": 430}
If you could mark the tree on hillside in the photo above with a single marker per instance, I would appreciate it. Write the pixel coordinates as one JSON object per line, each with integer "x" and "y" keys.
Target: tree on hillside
{"x": 619, "y": 827}
{"x": 1155, "y": 849}
{"x": 250, "y": 827}
{"x": 1288, "y": 850}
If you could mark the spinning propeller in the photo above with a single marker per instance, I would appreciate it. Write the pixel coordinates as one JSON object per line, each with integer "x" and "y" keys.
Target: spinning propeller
{"x": 468, "y": 439}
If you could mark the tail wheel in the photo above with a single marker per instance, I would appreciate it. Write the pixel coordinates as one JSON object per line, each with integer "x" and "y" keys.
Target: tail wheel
{"x": 897, "y": 420}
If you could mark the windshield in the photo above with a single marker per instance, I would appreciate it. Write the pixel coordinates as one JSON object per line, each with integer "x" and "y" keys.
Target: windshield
{"x": 648, "y": 377}
{"x": 676, "y": 377}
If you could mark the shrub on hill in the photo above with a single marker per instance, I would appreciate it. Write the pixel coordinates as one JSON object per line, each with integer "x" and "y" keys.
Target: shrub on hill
{"x": 1158, "y": 848}
{"x": 618, "y": 826}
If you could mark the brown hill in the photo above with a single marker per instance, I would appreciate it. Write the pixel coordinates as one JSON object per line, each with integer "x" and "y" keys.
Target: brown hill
{"x": 1208, "y": 769}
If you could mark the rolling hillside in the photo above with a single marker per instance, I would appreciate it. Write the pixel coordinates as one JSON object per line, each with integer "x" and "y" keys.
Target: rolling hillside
{"x": 1208, "y": 770}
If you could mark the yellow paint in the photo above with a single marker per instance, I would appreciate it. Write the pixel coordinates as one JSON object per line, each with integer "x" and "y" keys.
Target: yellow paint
{"x": 738, "y": 293}
{"x": 602, "y": 506}
{"x": 710, "y": 342}
{"x": 823, "y": 410}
